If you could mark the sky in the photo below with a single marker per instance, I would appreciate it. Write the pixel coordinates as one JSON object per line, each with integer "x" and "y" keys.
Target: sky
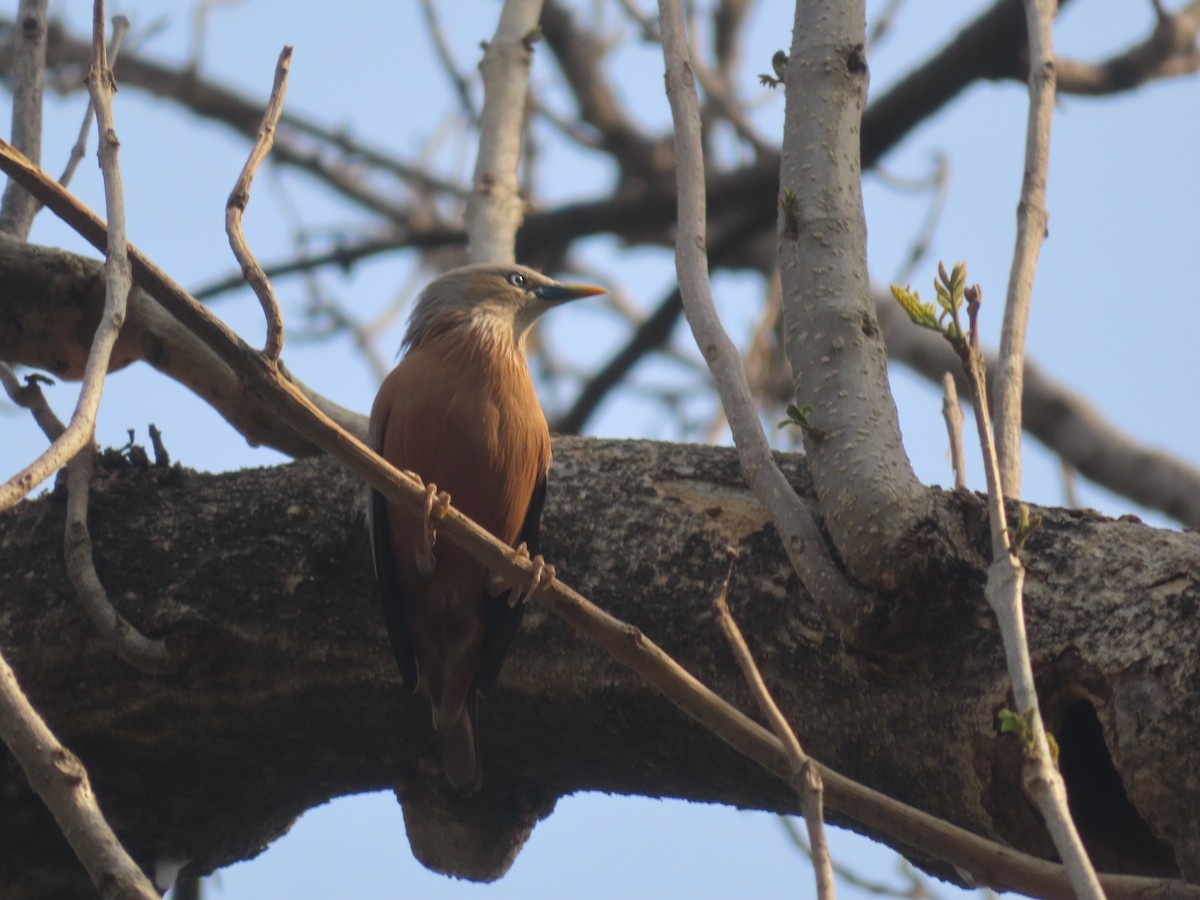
{"x": 1115, "y": 316}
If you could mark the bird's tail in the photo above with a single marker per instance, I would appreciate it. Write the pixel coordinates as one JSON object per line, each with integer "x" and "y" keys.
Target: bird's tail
{"x": 460, "y": 748}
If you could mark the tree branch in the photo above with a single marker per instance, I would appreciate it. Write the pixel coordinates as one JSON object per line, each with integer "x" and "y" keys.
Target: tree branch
{"x": 17, "y": 208}
{"x": 239, "y": 197}
{"x": 574, "y": 720}
{"x": 1065, "y": 422}
{"x": 794, "y": 521}
{"x": 61, "y": 780}
{"x": 495, "y": 208}
{"x": 868, "y": 494}
{"x": 1032, "y": 217}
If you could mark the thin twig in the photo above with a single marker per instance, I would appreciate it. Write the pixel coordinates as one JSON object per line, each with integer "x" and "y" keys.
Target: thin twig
{"x": 236, "y": 206}
{"x": 1070, "y": 490}
{"x": 721, "y": 95}
{"x": 120, "y": 29}
{"x": 55, "y": 773}
{"x": 199, "y": 30}
{"x": 953, "y": 414}
{"x": 1032, "y": 217}
{"x": 883, "y": 23}
{"x": 495, "y": 208}
{"x": 794, "y": 521}
{"x": 118, "y": 281}
{"x": 1066, "y": 422}
{"x": 29, "y": 396}
{"x": 805, "y": 777}
{"x": 939, "y": 181}
{"x": 917, "y": 888}
{"x": 17, "y": 207}
{"x": 1004, "y": 592}
{"x": 62, "y": 782}
{"x": 148, "y": 655}
{"x": 446, "y": 58}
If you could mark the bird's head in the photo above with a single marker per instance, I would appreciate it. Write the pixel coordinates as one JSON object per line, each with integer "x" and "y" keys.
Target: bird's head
{"x": 493, "y": 302}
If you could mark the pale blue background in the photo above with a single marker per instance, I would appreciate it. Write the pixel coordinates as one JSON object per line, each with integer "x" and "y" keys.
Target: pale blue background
{"x": 1115, "y": 317}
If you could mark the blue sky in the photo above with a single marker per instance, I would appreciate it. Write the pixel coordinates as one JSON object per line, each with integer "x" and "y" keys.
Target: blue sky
{"x": 1115, "y": 317}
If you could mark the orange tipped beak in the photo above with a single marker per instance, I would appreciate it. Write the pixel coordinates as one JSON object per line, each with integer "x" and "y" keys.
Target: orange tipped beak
{"x": 561, "y": 293}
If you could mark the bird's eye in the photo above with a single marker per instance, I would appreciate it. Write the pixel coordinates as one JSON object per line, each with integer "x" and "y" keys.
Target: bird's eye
{"x": 516, "y": 279}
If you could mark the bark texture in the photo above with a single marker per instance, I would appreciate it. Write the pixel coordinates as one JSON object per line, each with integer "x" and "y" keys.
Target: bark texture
{"x": 290, "y": 696}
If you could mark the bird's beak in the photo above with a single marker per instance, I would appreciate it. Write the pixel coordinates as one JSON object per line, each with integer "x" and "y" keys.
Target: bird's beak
{"x": 561, "y": 293}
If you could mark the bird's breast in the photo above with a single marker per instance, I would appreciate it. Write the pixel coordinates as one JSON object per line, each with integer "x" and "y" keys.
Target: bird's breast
{"x": 467, "y": 418}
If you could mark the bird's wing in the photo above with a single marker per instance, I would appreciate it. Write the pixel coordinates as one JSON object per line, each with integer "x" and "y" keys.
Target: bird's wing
{"x": 390, "y": 590}
{"x": 504, "y": 619}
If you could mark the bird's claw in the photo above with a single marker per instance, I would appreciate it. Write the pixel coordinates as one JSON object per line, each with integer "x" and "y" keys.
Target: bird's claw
{"x": 437, "y": 504}
{"x": 543, "y": 573}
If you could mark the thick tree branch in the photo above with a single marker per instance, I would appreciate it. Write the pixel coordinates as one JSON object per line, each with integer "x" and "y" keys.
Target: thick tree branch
{"x": 1170, "y": 50}
{"x": 571, "y": 715}
{"x": 867, "y": 491}
{"x": 495, "y": 208}
{"x": 795, "y": 522}
{"x": 580, "y": 55}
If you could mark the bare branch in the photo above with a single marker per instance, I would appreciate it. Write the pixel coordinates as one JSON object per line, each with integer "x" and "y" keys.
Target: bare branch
{"x": 1065, "y": 422}
{"x": 174, "y": 345}
{"x": 1004, "y": 592}
{"x": 917, "y": 889}
{"x": 579, "y": 54}
{"x": 446, "y": 58}
{"x": 62, "y": 782}
{"x": 143, "y": 653}
{"x": 805, "y": 777}
{"x": 239, "y": 197}
{"x": 794, "y": 521}
{"x": 199, "y": 30}
{"x": 866, "y": 487}
{"x": 120, "y": 29}
{"x": 722, "y": 98}
{"x": 1031, "y": 231}
{"x": 495, "y": 208}
{"x": 1168, "y": 52}
{"x": 119, "y": 282}
{"x": 953, "y": 415}
{"x": 30, "y": 397}
{"x": 56, "y": 774}
{"x": 17, "y": 208}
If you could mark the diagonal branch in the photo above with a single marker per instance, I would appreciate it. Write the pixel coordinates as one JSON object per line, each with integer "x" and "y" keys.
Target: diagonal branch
{"x": 805, "y": 777}
{"x": 61, "y": 780}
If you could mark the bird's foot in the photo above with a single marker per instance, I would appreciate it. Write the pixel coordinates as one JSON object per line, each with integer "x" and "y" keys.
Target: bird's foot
{"x": 437, "y": 504}
{"x": 539, "y": 579}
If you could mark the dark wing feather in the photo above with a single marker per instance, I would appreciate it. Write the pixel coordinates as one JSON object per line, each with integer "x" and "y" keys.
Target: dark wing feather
{"x": 390, "y": 590}
{"x": 503, "y": 619}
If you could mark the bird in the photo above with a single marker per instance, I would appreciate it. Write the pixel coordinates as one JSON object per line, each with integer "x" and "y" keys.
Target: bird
{"x": 460, "y": 412}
